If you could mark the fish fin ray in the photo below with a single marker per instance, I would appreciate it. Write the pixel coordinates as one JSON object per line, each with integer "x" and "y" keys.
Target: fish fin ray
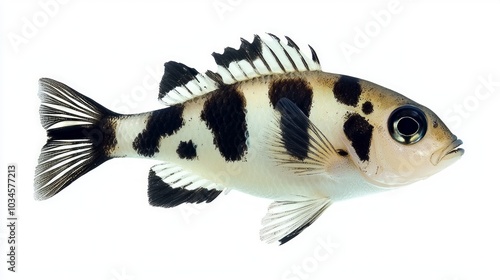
{"x": 170, "y": 185}
{"x": 287, "y": 219}
{"x": 297, "y": 144}
{"x": 72, "y": 122}
{"x": 181, "y": 83}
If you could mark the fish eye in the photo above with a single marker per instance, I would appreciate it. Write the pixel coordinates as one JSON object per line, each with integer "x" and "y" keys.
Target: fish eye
{"x": 407, "y": 124}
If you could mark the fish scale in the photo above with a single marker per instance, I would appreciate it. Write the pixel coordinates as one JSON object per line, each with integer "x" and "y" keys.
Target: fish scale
{"x": 269, "y": 123}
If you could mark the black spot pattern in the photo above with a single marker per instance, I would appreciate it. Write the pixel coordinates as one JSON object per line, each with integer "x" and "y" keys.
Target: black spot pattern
{"x": 161, "y": 123}
{"x": 224, "y": 114}
{"x": 186, "y": 150}
{"x": 359, "y": 132}
{"x": 347, "y": 90}
{"x": 367, "y": 107}
{"x": 163, "y": 195}
{"x": 296, "y": 90}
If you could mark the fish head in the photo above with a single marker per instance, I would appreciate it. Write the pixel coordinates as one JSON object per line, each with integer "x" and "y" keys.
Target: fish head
{"x": 409, "y": 142}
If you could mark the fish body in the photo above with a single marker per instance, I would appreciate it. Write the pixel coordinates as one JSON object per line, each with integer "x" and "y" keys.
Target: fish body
{"x": 243, "y": 161}
{"x": 268, "y": 123}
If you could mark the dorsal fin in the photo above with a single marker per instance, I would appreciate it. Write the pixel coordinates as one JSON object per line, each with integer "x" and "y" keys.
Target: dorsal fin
{"x": 181, "y": 83}
{"x": 263, "y": 56}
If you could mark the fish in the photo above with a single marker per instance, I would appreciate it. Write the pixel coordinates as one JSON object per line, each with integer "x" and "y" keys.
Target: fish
{"x": 268, "y": 122}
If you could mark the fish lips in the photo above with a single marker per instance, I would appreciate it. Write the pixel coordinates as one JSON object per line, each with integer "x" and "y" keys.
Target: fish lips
{"x": 450, "y": 152}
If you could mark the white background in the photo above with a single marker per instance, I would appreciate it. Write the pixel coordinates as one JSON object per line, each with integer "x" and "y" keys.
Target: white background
{"x": 102, "y": 227}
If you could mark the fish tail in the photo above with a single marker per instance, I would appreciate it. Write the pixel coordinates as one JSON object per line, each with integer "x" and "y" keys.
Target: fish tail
{"x": 80, "y": 137}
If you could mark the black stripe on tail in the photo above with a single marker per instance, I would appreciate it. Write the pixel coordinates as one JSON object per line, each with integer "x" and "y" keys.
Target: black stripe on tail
{"x": 80, "y": 137}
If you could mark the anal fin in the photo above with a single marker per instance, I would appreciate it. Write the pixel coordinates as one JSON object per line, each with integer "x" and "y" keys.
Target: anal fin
{"x": 170, "y": 185}
{"x": 287, "y": 219}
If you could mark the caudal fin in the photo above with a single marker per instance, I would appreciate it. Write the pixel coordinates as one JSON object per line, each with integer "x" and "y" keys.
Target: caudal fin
{"x": 80, "y": 137}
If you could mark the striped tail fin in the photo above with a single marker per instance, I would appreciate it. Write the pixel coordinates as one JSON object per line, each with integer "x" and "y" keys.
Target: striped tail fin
{"x": 80, "y": 137}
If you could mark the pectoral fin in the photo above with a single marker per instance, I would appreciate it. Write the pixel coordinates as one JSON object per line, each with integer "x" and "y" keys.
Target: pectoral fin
{"x": 296, "y": 143}
{"x": 287, "y": 219}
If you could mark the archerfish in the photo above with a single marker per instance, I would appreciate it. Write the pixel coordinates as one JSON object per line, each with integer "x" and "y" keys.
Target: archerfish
{"x": 268, "y": 123}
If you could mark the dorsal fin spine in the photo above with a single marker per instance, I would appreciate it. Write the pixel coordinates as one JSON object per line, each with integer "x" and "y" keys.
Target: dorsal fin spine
{"x": 276, "y": 58}
{"x": 215, "y": 77}
{"x": 292, "y": 44}
{"x": 261, "y": 56}
{"x": 289, "y": 57}
{"x": 314, "y": 55}
{"x": 248, "y": 48}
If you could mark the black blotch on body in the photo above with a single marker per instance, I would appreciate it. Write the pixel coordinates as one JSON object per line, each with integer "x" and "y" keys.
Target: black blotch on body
{"x": 186, "y": 150}
{"x": 224, "y": 114}
{"x": 161, "y": 123}
{"x": 367, "y": 107}
{"x": 163, "y": 195}
{"x": 176, "y": 74}
{"x": 296, "y": 90}
{"x": 347, "y": 90}
{"x": 359, "y": 132}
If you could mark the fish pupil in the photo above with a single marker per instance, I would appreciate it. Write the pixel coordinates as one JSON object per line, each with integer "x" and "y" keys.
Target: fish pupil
{"x": 407, "y": 126}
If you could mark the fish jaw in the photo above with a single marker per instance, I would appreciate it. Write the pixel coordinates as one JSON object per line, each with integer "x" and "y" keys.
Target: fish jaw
{"x": 448, "y": 154}
{"x": 418, "y": 165}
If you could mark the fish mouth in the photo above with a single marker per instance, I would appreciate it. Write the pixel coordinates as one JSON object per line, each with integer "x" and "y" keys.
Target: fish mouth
{"x": 449, "y": 152}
